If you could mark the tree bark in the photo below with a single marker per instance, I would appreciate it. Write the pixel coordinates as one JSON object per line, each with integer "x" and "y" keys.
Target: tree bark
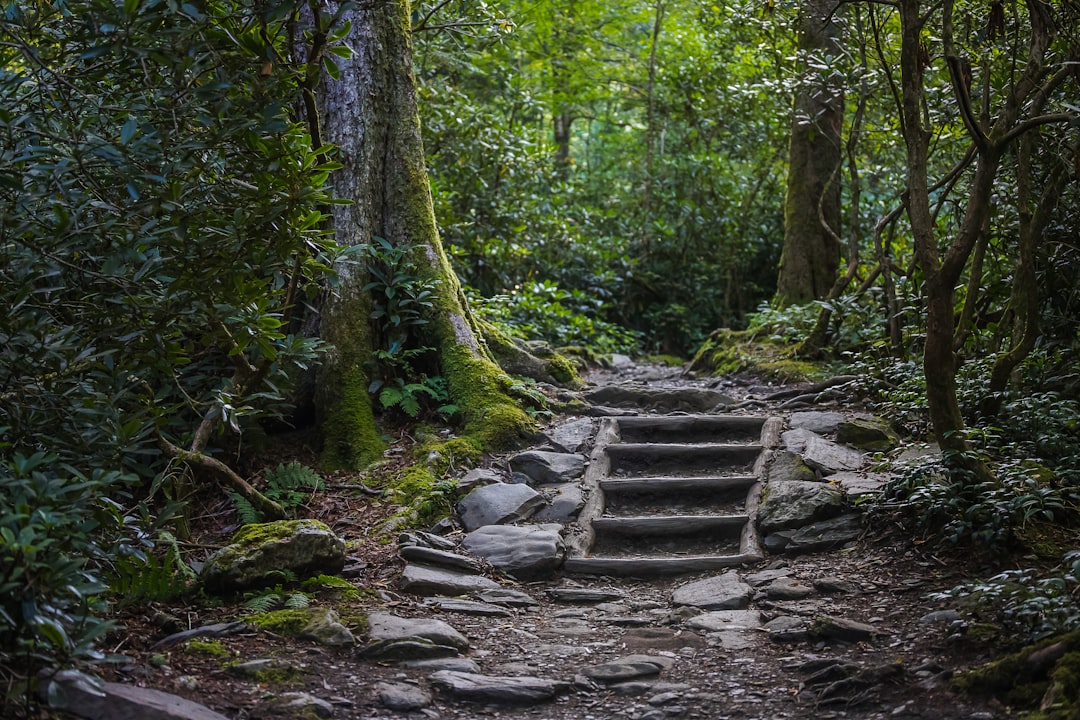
{"x": 370, "y": 114}
{"x": 811, "y": 251}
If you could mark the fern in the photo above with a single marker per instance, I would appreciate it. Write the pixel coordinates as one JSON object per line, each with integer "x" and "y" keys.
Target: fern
{"x": 290, "y": 486}
{"x": 153, "y": 578}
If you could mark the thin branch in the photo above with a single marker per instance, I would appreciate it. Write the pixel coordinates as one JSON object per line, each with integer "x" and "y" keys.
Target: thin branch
{"x": 422, "y": 25}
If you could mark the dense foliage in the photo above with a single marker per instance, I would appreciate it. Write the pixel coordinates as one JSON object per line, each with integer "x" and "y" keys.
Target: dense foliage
{"x": 159, "y": 221}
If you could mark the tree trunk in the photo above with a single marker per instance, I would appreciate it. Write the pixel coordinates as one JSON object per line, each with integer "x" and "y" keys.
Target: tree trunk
{"x": 811, "y": 252}
{"x": 370, "y": 114}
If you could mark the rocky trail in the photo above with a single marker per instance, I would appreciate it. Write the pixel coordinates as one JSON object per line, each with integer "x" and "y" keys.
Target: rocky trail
{"x": 687, "y": 549}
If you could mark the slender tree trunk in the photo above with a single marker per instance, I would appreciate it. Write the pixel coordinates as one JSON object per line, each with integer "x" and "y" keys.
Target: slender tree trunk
{"x": 370, "y": 114}
{"x": 811, "y": 251}
{"x": 650, "y": 113}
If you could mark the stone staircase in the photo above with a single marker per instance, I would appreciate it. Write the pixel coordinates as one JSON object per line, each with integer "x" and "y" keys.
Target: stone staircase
{"x": 672, "y": 494}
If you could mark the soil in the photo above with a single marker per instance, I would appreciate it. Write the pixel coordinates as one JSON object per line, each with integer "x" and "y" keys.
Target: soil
{"x": 901, "y": 673}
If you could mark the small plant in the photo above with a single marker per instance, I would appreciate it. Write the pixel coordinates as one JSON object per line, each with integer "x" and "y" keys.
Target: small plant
{"x": 412, "y": 397}
{"x": 1032, "y": 606}
{"x": 153, "y": 577}
{"x": 290, "y": 486}
{"x": 276, "y": 598}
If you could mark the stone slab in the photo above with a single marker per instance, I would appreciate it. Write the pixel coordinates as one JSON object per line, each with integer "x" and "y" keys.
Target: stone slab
{"x": 426, "y": 580}
{"x": 497, "y": 504}
{"x": 722, "y": 592}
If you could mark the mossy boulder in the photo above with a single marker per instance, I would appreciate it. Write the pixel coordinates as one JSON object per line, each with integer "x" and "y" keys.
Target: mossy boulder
{"x": 266, "y": 554}
{"x": 867, "y": 433}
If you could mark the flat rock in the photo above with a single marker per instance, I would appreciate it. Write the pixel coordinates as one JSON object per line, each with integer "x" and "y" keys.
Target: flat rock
{"x": 506, "y": 596}
{"x": 543, "y": 467}
{"x": 787, "y": 628}
{"x": 825, "y": 534}
{"x": 859, "y": 484}
{"x": 496, "y": 689}
{"x": 940, "y": 616}
{"x": 616, "y": 672}
{"x": 458, "y": 664}
{"x": 259, "y": 554}
{"x": 426, "y": 580}
{"x": 722, "y": 592}
{"x": 94, "y": 700}
{"x": 386, "y": 626}
{"x": 787, "y": 588}
{"x": 734, "y": 639}
{"x": 440, "y": 558}
{"x": 763, "y": 577}
{"x": 837, "y": 628}
{"x": 402, "y": 697}
{"x": 835, "y": 585}
{"x": 496, "y": 504}
{"x": 572, "y": 595}
{"x": 816, "y": 421}
{"x": 527, "y": 553}
{"x": 788, "y": 466}
{"x": 427, "y": 540}
{"x": 565, "y": 502}
{"x": 794, "y": 503}
{"x": 467, "y": 607}
{"x": 830, "y": 457}
{"x": 722, "y": 620}
{"x": 570, "y": 437}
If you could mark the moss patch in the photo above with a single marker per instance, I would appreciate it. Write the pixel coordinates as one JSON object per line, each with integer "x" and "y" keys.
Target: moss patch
{"x": 727, "y": 352}
{"x": 207, "y": 648}
{"x": 281, "y": 622}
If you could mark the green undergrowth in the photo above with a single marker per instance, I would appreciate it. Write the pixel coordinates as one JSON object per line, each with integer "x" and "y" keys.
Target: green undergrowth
{"x": 208, "y": 648}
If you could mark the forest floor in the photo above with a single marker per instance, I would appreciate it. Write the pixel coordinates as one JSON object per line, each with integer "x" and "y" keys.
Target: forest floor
{"x": 884, "y": 579}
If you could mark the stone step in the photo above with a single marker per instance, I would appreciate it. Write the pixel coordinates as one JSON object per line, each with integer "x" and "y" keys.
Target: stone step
{"x": 650, "y": 459}
{"x": 691, "y": 429}
{"x": 652, "y": 567}
{"x": 669, "y": 525}
{"x": 673, "y": 484}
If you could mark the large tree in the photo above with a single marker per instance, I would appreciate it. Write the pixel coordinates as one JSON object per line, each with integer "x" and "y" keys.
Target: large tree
{"x": 368, "y": 110}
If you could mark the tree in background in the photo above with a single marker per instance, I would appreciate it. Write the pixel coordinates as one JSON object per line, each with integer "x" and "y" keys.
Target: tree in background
{"x": 811, "y": 251}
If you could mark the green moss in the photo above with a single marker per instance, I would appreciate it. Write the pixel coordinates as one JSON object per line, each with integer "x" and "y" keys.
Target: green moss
{"x": 281, "y": 622}
{"x": 358, "y": 623}
{"x": 563, "y": 370}
{"x": 351, "y": 438}
{"x": 208, "y": 648}
{"x": 669, "y": 360}
{"x": 728, "y": 352}
{"x": 338, "y": 589}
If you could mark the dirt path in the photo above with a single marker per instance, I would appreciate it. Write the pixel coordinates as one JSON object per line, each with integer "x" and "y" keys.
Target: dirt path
{"x": 698, "y": 662}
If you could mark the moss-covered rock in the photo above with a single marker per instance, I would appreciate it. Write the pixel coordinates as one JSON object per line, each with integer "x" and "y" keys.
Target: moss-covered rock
{"x": 867, "y": 433}
{"x": 265, "y": 554}
{"x": 730, "y": 351}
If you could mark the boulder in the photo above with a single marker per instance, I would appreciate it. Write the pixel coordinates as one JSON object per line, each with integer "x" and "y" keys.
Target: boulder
{"x": 542, "y": 466}
{"x": 570, "y": 437}
{"x": 795, "y": 440}
{"x": 397, "y": 638}
{"x": 830, "y": 457}
{"x": 496, "y": 504}
{"x": 722, "y": 592}
{"x": 868, "y": 433}
{"x": 527, "y": 553}
{"x": 402, "y": 697}
{"x": 794, "y": 503}
{"x": 566, "y": 502}
{"x": 265, "y": 554}
{"x": 788, "y": 466}
{"x": 824, "y": 534}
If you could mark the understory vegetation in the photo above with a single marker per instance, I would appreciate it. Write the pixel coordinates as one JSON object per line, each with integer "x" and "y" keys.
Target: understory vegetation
{"x": 606, "y": 178}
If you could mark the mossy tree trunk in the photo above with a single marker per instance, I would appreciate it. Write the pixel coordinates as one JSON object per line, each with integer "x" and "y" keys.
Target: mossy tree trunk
{"x": 370, "y": 114}
{"x": 811, "y": 251}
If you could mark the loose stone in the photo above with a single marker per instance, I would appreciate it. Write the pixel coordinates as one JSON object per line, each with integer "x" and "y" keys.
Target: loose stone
{"x": 402, "y": 696}
{"x": 494, "y": 689}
